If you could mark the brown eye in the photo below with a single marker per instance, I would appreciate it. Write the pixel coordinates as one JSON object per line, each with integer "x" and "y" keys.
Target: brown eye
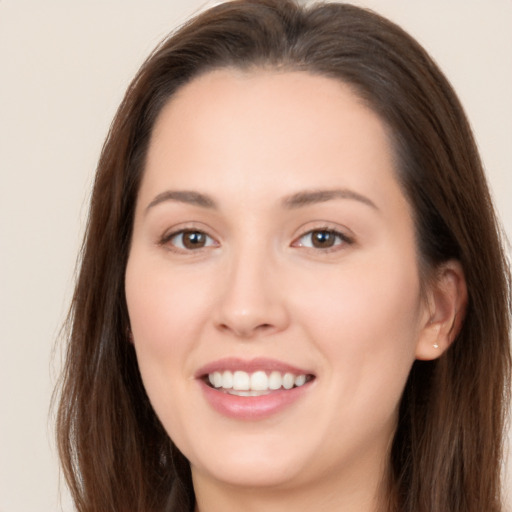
{"x": 194, "y": 239}
{"x": 190, "y": 240}
{"x": 322, "y": 239}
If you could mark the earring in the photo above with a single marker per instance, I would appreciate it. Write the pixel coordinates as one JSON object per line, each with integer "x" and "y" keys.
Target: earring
{"x": 438, "y": 329}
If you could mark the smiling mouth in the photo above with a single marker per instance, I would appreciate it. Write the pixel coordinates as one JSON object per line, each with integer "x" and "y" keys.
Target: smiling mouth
{"x": 241, "y": 383}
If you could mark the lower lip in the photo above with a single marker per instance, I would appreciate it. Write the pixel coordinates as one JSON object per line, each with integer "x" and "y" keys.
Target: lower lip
{"x": 252, "y": 408}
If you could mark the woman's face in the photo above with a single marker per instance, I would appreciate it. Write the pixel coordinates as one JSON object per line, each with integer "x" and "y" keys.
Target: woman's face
{"x": 273, "y": 248}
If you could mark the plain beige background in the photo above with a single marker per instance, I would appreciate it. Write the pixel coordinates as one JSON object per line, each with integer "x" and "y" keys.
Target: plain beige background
{"x": 64, "y": 68}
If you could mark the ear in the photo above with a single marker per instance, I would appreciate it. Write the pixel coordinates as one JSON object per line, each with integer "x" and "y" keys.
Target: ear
{"x": 447, "y": 298}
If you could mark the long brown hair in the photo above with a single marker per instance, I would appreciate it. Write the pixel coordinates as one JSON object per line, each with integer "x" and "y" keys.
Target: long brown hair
{"x": 447, "y": 450}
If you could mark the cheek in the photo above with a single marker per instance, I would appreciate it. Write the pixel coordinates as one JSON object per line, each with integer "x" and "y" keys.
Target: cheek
{"x": 166, "y": 311}
{"x": 164, "y": 307}
{"x": 372, "y": 304}
{"x": 366, "y": 322}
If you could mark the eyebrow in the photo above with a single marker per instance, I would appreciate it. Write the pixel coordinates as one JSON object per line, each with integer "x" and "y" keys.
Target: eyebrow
{"x": 308, "y": 197}
{"x": 298, "y": 200}
{"x": 183, "y": 196}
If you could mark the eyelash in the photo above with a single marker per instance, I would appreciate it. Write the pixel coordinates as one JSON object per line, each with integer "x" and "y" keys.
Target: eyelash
{"x": 340, "y": 239}
{"x": 168, "y": 239}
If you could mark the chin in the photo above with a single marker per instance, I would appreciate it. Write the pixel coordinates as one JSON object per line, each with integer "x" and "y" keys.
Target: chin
{"x": 270, "y": 473}
{"x": 251, "y": 462}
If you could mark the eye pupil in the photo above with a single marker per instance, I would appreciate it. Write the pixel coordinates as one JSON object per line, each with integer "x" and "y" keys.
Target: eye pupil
{"x": 194, "y": 239}
{"x": 322, "y": 239}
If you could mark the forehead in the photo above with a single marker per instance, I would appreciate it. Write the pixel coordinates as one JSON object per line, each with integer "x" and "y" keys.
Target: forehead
{"x": 267, "y": 98}
{"x": 259, "y": 118}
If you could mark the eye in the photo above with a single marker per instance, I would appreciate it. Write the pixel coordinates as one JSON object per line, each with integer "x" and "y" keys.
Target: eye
{"x": 189, "y": 240}
{"x": 322, "y": 239}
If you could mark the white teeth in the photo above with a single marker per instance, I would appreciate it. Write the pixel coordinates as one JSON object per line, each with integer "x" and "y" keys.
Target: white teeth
{"x": 275, "y": 380}
{"x": 288, "y": 381}
{"x": 300, "y": 380}
{"x": 259, "y": 381}
{"x": 217, "y": 379}
{"x": 241, "y": 381}
{"x": 227, "y": 380}
{"x": 245, "y": 384}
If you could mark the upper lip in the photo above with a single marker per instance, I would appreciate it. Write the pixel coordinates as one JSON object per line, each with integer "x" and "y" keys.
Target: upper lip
{"x": 250, "y": 366}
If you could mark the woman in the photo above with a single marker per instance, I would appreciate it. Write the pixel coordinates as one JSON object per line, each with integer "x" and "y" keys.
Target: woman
{"x": 293, "y": 293}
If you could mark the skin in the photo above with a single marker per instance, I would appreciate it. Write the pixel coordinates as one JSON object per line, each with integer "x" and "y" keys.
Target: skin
{"x": 352, "y": 313}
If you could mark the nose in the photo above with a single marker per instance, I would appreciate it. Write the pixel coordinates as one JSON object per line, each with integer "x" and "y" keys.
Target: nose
{"x": 252, "y": 301}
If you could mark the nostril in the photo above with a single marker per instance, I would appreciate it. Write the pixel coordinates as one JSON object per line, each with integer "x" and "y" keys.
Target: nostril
{"x": 245, "y": 331}
{"x": 223, "y": 327}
